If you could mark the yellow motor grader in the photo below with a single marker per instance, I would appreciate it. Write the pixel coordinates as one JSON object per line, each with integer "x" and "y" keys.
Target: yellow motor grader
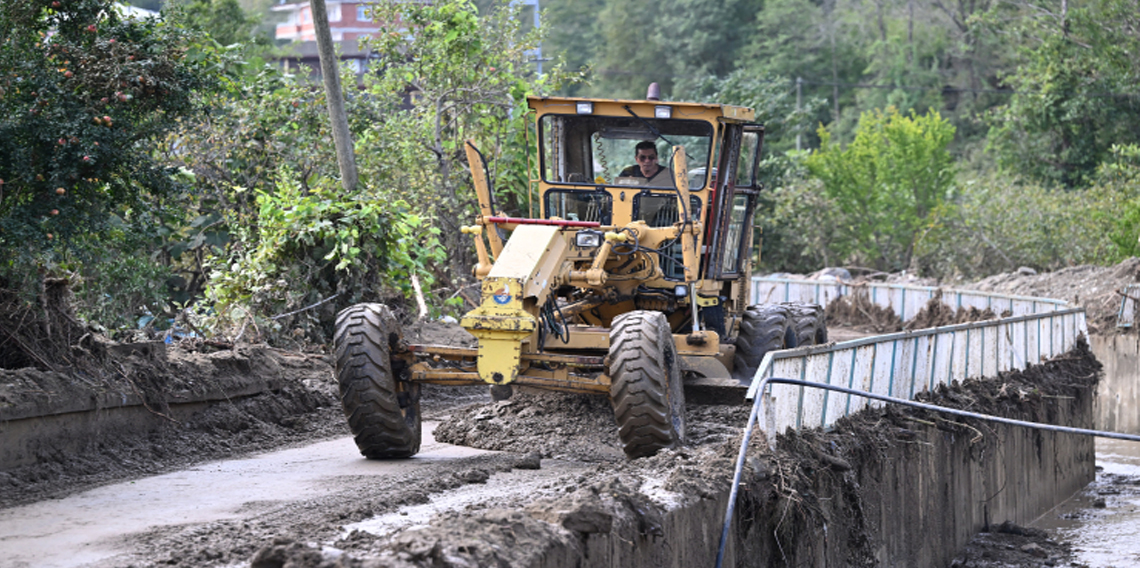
{"x": 632, "y": 283}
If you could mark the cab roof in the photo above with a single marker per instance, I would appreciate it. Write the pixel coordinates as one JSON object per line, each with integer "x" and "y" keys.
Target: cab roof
{"x": 615, "y": 107}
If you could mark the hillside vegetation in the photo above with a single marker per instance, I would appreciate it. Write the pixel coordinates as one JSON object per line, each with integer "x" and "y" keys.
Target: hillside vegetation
{"x": 159, "y": 179}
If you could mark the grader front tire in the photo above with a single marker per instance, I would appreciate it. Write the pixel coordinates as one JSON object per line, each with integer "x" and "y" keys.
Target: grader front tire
{"x": 383, "y": 413}
{"x": 646, "y": 390}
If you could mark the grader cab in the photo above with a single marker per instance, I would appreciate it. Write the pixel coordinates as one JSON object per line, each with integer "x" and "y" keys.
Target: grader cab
{"x": 632, "y": 282}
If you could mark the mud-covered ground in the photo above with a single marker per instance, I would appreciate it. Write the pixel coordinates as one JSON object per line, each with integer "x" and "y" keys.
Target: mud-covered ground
{"x": 1098, "y": 289}
{"x": 561, "y": 450}
{"x": 304, "y": 406}
{"x": 559, "y": 473}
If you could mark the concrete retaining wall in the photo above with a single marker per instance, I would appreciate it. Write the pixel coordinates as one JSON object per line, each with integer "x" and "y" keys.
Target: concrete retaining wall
{"x": 59, "y": 415}
{"x": 1118, "y": 396}
{"x": 915, "y": 500}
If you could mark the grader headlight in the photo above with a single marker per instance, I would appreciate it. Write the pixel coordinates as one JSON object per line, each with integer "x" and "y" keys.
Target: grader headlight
{"x": 588, "y": 239}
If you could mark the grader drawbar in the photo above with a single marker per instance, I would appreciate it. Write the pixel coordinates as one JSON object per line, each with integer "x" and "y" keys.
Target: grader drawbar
{"x": 632, "y": 283}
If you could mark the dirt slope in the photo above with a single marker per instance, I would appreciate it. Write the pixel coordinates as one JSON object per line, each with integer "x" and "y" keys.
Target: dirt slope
{"x": 1095, "y": 288}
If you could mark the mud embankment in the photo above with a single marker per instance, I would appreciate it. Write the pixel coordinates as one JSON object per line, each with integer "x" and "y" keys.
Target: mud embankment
{"x": 887, "y": 487}
{"x": 164, "y": 408}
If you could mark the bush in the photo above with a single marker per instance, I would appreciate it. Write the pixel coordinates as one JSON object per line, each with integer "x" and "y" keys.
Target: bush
{"x": 311, "y": 246}
{"x": 885, "y": 182}
{"x": 997, "y": 225}
{"x": 800, "y": 222}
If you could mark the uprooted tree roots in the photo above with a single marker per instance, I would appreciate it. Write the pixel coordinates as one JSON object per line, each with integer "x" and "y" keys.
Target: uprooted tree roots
{"x": 45, "y": 333}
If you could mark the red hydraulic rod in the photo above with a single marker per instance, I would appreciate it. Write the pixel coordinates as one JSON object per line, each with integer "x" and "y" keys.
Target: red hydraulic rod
{"x": 558, "y": 222}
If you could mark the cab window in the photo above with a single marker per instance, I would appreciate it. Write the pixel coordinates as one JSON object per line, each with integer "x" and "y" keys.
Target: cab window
{"x": 600, "y": 150}
{"x": 595, "y": 206}
{"x": 660, "y": 209}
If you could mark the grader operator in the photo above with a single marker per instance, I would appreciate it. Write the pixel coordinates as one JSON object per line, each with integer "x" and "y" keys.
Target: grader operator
{"x": 628, "y": 286}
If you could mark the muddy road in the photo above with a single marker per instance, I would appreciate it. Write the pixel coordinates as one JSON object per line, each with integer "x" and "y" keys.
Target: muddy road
{"x": 220, "y": 512}
{"x": 275, "y": 481}
{"x": 321, "y": 503}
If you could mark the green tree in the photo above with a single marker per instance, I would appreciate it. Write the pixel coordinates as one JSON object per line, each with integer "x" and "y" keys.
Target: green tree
{"x": 1120, "y": 175}
{"x": 1075, "y": 83}
{"x": 911, "y": 59}
{"x": 573, "y": 32}
{"x": 229, "y": 25}
{"x": 886, "y": 182}
{"x": 84, "y": 91}
{"x": 810, "y": 40}
{"x": 630, "y": 57}
{"x": 267, "y": 171}
{"x": 468, "y": 75}
{"x": 224, "y": 20}
{"x": 773, "y": 99}
{"x": 702, "y": 38}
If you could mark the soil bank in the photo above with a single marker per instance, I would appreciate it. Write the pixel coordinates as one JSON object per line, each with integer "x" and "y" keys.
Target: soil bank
{"x": 887, "y": 487}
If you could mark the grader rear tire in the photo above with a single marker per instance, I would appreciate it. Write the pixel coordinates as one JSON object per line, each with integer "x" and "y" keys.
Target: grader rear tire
{"x": 383, "y": 413}
{"x": 646, "y": 390}
{"x": 809, "y": 322}
{"x": 763, "y": 328}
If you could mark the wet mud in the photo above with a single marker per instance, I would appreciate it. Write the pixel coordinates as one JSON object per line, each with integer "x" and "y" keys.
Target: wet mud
{"x": 809, "y": 491}
{"x": 300, "y": 405}
{"x": 556, "y": 489}
{"x": 857, "y": 311}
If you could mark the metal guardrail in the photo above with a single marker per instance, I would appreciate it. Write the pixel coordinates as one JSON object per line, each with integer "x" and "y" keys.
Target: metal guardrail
{"x": 1126, "y": 315}
{"x": 907, "y": 363}
{"x": 906, "y": 300}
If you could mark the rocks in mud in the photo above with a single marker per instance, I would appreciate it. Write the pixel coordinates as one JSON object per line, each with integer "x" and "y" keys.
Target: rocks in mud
{"x": 596, "y": 509}
{"x": 474, "y": 475}
{"x": 495, "y": 538}
{"x": 284, "y": 553}
{"x": 581, "y": 511}
{"x": 531, "y": 460}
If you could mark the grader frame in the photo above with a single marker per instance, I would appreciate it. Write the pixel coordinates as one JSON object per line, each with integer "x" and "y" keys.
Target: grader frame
{"x": 623, "y": 286}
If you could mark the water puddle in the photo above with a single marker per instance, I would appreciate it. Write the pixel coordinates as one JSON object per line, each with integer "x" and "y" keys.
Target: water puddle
{"x": 1102, "y": 521}
{"x": 502, "y": 488}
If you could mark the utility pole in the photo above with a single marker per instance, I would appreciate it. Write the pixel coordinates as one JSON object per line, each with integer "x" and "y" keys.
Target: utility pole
{"x": 330, "y": 72}
{"x": 537, "y": 51}
{"x": 799, "y": 108}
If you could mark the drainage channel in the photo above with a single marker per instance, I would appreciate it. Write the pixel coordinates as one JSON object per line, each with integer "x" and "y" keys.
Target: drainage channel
{"x": 756, "y": 407}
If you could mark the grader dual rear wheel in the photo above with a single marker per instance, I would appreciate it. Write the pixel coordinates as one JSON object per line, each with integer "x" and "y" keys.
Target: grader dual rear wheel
{"x": 383, "y": 412}
{"x": 646, "y": 390}
{"x": 763, "y": 328}
{"x": 809, "y": 323}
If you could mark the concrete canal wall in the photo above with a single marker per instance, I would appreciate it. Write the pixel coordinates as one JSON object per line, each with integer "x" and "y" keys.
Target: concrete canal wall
{"x": 1118, "y": 396}
{"x": 885, "y": 487}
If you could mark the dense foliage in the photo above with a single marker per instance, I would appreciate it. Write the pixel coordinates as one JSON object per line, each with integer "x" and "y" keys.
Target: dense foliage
{"x": 83, "y": 90}
{"x": 885, "y": 182}
{"x": 170, "y": 178}
{"x": 292, "y": 237}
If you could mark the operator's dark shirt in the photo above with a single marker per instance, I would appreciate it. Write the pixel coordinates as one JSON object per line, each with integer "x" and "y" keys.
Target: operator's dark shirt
{"x": 663, "y": 177}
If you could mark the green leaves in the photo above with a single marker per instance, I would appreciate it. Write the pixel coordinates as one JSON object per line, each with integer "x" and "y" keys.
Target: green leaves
{"x": 1076, "y": 91}
{"x": 895, "y": 172}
